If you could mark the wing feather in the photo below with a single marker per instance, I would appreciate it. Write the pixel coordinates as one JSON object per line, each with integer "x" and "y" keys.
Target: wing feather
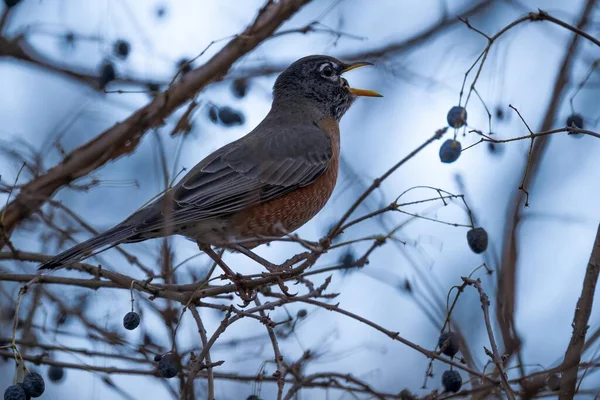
{"x": 255, "y": 169}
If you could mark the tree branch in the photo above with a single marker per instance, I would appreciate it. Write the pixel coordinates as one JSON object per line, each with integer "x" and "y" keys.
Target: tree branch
{"x": 580, "y": 323}
{"x": 507, "y": 276}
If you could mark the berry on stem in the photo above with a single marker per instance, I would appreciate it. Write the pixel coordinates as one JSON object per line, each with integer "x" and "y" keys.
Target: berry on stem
{"x": 457, "y": 117}
{"x": 450, "y": 151}
{"x": 499, "y": 113}
{"x": 240, "y": 87}
{"x": 121, "y": 48}
{"x": 107, "y": 73}
{"x": 167, "y": 366}
{"x": 34, "y": 384}
{"x": 11, "y": 3}
{"x": 15, "y": 392}
{"x": 348, "y": 260}
{"x": 452, "y": 381}
{"x": 449, "y": 343}
{"x": 153, "y": 88}
{"x": 230, "y": 117}
{"x": 495, "y": 148}
{"x": 160, "y": 11}
{"x": 131, "y": 320}
{"x": 477, "y": 238}
{"x": 184, "y": 65}
{"x": 56, "y": 374}
{"x": 577, "y": 121}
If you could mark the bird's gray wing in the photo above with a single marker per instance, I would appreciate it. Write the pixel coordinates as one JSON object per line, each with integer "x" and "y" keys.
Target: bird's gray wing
{"x": 259, "y": 167}
{"x": 255, "y": 169}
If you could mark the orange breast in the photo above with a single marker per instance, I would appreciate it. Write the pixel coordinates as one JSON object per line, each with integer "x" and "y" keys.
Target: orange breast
{"x": 296, "y": 208}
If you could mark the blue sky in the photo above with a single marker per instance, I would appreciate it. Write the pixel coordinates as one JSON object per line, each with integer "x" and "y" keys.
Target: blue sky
{"x": 419, "y": 86}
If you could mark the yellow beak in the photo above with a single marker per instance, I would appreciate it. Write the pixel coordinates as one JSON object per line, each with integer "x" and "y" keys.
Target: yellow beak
{"x": 360, "y": 92}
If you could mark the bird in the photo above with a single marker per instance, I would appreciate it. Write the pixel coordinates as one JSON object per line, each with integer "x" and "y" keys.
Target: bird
{"x": 267, "y": 183}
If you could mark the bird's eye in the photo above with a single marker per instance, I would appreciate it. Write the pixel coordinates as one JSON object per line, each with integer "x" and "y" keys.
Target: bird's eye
{"x": 327, "y": 71}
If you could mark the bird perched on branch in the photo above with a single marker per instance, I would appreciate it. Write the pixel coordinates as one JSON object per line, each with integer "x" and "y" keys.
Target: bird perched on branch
{"x": 269, "y": 182}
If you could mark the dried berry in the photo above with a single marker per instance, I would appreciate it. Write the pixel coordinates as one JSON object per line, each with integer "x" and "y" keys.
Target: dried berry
{"x": 184, "y": 66}
{"x": 131, "y": 320}
{"x": 495, "y": 148}
{"x": 449, "y": 343}
{"x": 577, "y": 121}
{"x": 477, "y": 239}
{"x": 239, "y": 87}
{"x": 153, "y": 88}
{"x": 55, "y": 374}
{"x": 301, "y": 313}
{"x": 121, "y": 49}
{"x": 457, "y": 117}
{"x": 253, "y": 397}
{"x": 554, "y": 382}
{"x": 167, "y": 366}
{"x": 107, "y": 73}
{"x": 160, "y": 11}
{"x": 452, "y": 381}
{"x": 348, "y": 260}
{"x": 450, "y": 151}
{"x": 33, "y": 384}
{"x": 15, "y": 392}
{"x": 230, "y": 117}
{"x": 157, "y": 357}
{"x": 499, "y": 113}
{"x": 11, "y": 3}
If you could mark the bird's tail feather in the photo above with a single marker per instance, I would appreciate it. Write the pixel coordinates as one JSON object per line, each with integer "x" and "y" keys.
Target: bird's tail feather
{"x": 108, "y": 239}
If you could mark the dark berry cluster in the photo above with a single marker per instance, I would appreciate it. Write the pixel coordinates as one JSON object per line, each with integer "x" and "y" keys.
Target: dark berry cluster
{"x": 226, "y": 115}
{"x": 32, "y": 386}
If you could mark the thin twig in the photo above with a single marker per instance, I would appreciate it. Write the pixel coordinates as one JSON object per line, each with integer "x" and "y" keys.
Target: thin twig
{"x": 496, "y": 358}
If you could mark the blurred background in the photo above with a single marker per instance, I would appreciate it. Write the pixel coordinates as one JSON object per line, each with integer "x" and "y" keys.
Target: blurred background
{"x": 97, "y": 62}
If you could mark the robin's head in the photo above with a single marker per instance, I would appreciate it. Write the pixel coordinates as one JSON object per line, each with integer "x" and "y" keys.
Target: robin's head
{"x": 318, "y": 80}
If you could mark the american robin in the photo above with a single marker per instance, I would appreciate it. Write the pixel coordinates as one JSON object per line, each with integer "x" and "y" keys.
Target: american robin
{"x": 269, "y": 182}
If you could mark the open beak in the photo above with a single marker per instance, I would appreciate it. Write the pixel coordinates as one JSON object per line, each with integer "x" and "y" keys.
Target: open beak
{"x": 359, "y": 92}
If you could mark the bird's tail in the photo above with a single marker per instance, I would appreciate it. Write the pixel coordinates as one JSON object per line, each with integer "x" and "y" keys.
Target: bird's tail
{"x": 108, "y": 239}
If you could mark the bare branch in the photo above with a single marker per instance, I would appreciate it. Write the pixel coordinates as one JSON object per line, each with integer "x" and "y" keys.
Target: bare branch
{"x": 583, "y": 310}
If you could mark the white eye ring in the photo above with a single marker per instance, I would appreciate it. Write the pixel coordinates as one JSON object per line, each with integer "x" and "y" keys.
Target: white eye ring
{"x": 328, "y": 71}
